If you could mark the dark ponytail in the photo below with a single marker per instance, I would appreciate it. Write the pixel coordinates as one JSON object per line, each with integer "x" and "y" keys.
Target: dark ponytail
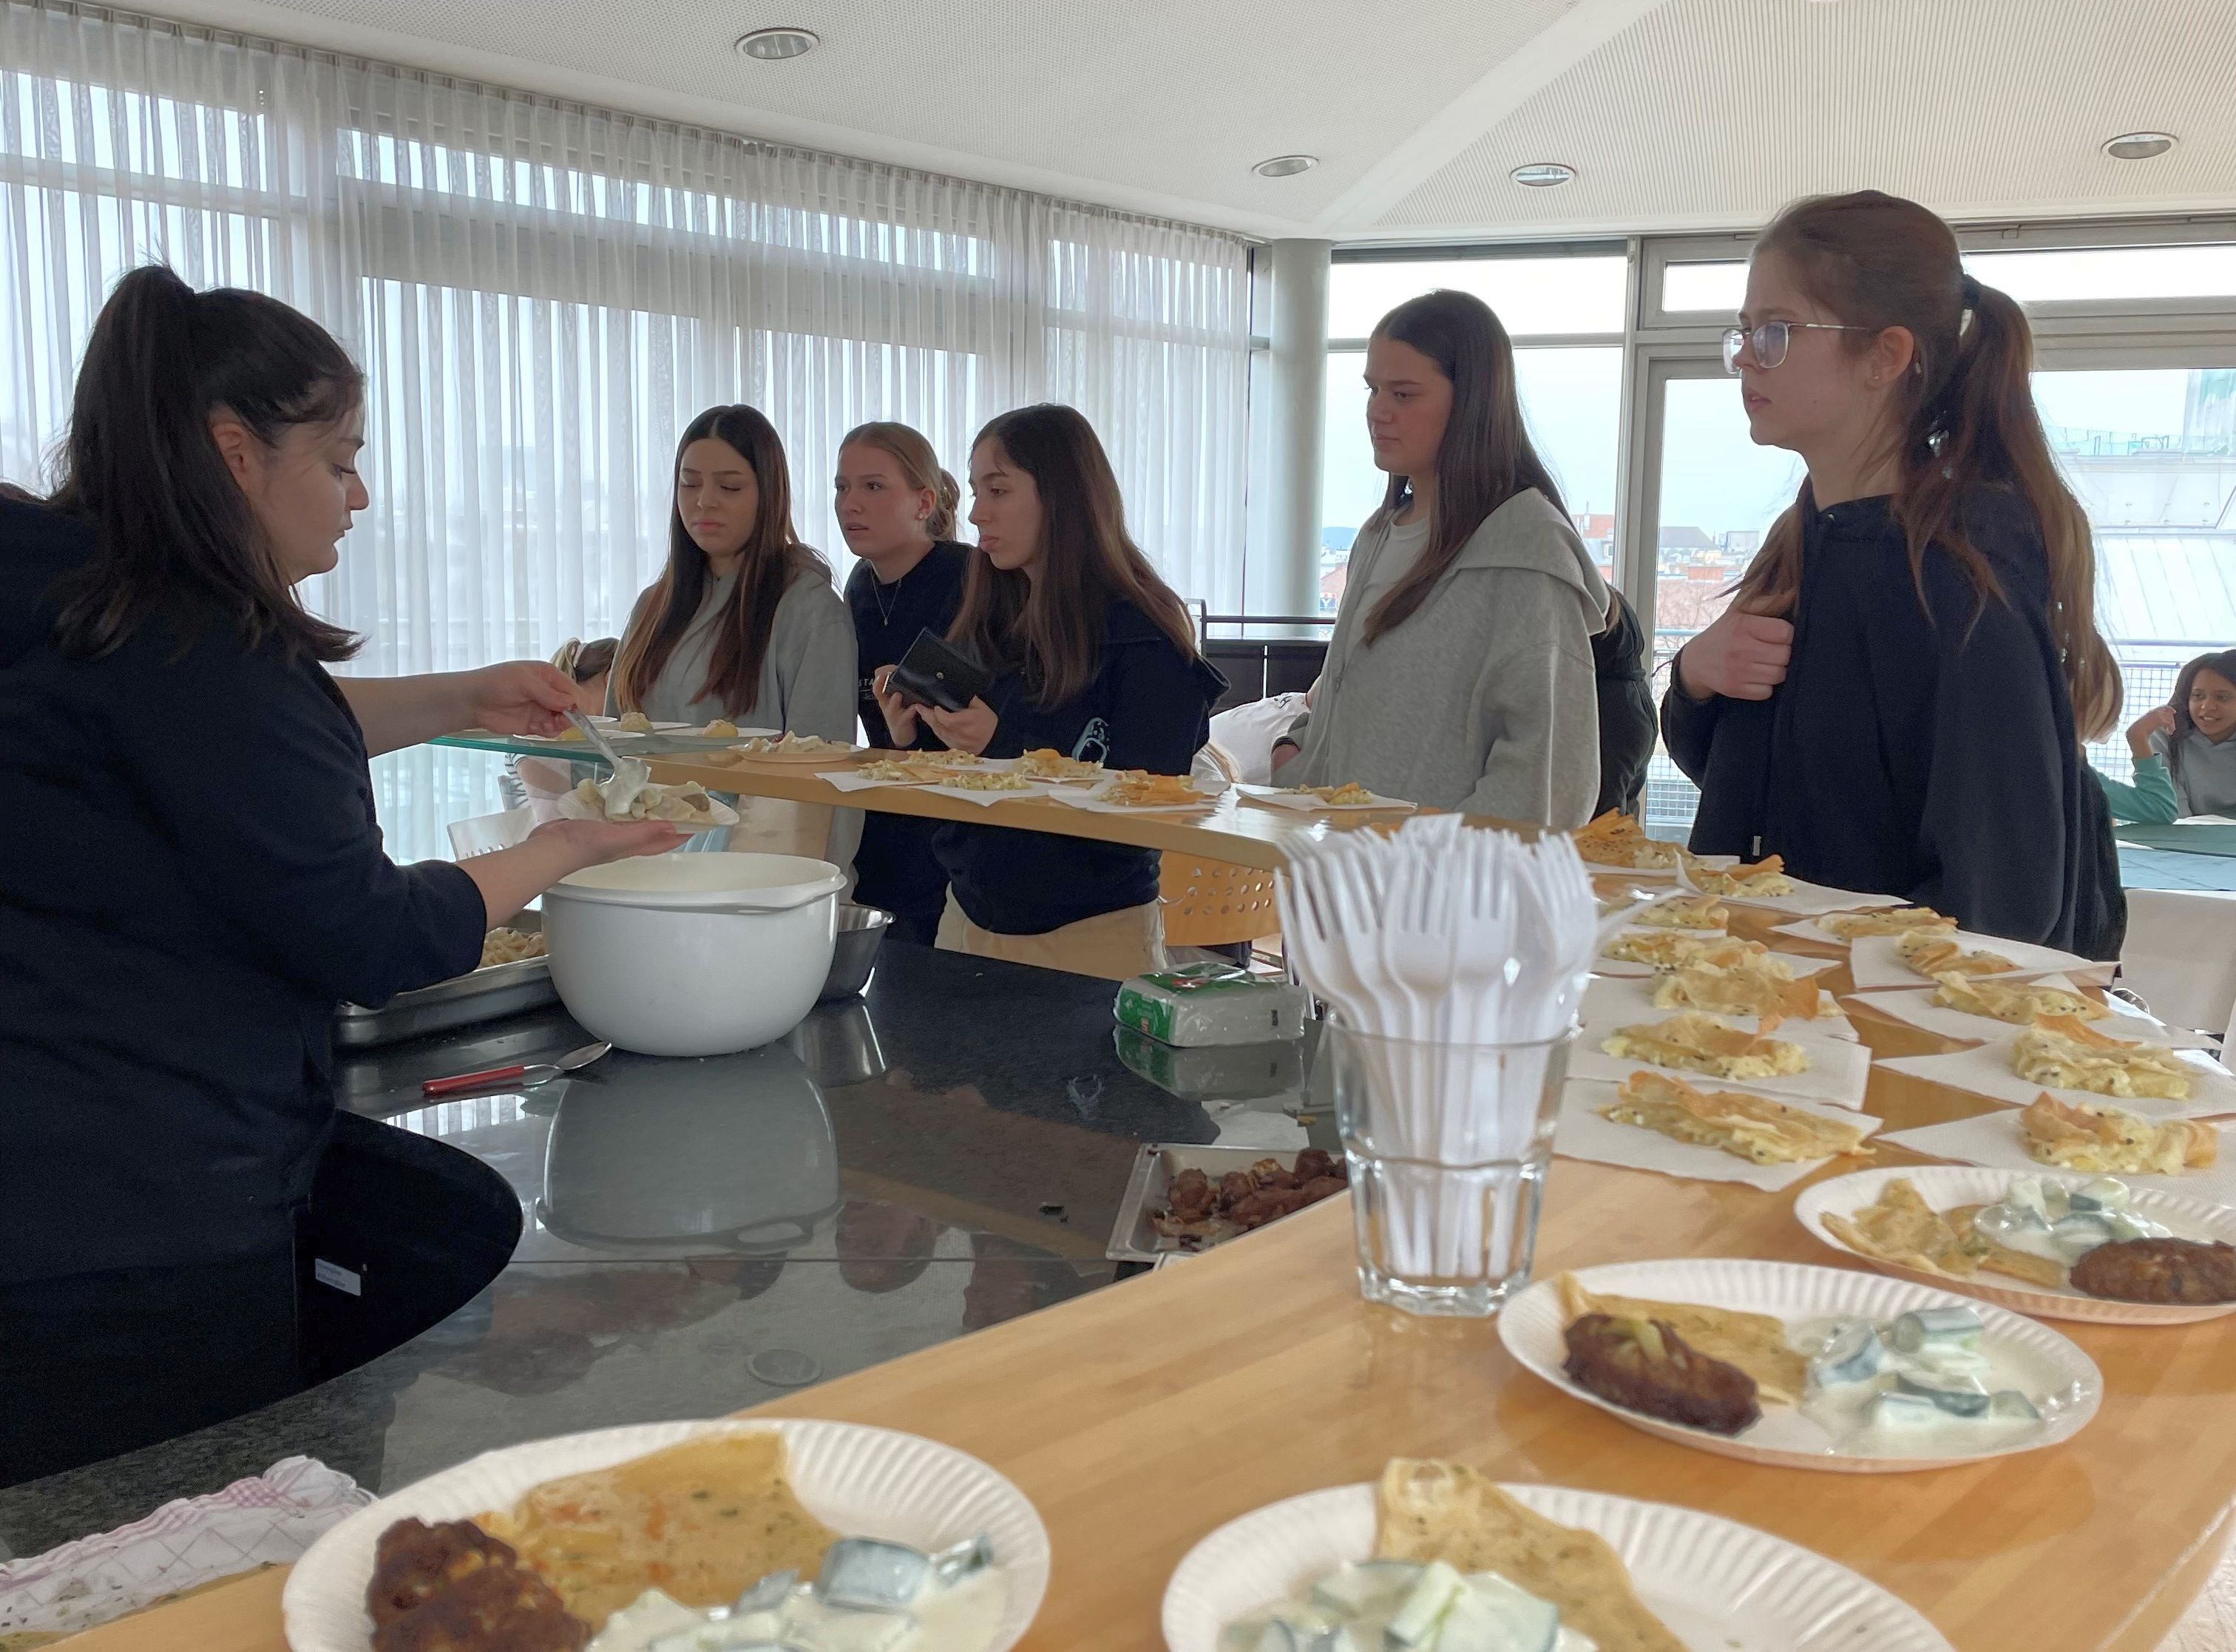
{"x": 141, "y": 466}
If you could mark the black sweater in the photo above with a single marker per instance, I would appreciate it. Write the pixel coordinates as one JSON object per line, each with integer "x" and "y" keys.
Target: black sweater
{"x": 1928, "y": 755}
{"x": 191, "y": 880}
{"x": 895, "y": 867}
{"x": 1149, "y": 707}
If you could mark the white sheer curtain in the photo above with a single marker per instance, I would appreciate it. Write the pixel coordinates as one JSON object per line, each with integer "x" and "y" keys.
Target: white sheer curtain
{"x": 542, "y": 295}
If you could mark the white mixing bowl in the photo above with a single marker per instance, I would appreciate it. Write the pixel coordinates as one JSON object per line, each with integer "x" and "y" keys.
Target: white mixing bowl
{"x": 692, "y": 954}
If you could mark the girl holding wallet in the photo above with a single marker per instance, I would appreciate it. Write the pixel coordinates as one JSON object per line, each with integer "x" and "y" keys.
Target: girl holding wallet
{"x": 1092, "y": 654}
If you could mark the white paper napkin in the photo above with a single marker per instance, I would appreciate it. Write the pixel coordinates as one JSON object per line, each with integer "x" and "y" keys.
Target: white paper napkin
{"x": 1305, "y": 802}
{"x": 1837, "y": 1070}
{"x": 1986, "y": 1070}
{"x": 1916, "y": 1009}
{"x": 267, "y": 1520}
{"x": 1627, "y": 1000}
{"x": 848, "y": 779}
{"x": 1996, "y": 1140}
{"x": 1874, "y": 962}
{"x": 1582, "y": 1134}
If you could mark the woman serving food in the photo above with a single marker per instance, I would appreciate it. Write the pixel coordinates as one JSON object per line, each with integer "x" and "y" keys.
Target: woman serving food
{"x": 195, "y": 877}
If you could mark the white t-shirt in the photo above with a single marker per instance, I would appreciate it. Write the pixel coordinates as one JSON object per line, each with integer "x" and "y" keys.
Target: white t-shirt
{"x": 1402, "y": 546}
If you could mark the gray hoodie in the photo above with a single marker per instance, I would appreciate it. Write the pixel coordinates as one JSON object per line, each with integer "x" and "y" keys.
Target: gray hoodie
{"x": 1482, "y": 700}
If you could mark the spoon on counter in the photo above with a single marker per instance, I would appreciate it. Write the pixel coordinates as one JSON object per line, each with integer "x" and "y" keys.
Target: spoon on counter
{"x": 524, "y": 1076}
{"x": 631, "y": 773}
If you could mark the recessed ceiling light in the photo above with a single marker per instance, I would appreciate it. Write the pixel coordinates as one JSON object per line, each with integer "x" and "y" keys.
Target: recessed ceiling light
{"x": 2138, "y": 146}
{"x": 1286, "y": 166}
{"x": 1543, "y": 174}
{"x": 777, "y": 45}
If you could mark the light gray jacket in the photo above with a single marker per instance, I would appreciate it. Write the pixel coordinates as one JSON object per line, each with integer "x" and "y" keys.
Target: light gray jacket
{"x": 806, "y": 684}
{"x": 1483, "y": 698}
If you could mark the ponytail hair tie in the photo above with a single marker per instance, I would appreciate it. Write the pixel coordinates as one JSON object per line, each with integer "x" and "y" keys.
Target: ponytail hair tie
{"x": 1968, "y": 291}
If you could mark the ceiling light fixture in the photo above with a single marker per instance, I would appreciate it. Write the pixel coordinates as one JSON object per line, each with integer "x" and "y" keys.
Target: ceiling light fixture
{"x": 2139, "y": 146}
{"x": 777, "y": 45}
{"x": 1286, "y": 166}
{"x": 1543, "y": 174}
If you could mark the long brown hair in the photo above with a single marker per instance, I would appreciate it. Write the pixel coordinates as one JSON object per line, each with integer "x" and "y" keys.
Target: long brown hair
{"x": 911, "y": 449}
{"x": 1967, "y": 411}
{"x": 771, "y": 558}
{"x": 140, "y": 464}
{"x": 1484, "y": 458}
{"x": 1050, "y": 628}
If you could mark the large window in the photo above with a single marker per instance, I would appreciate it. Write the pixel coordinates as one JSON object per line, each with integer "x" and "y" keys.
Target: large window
{"x": 542, "y": 296}
{"x": 1565, "y": 314}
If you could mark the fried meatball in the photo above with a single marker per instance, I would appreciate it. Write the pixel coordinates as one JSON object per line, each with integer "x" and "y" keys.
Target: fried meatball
{"x": 414, "y": 1562}
{"x": 1321, "y": 1188}
{"x": 1644, "y": 1365}
{"x": 2171, "y": 1273}
{"x": 1236, "y": 1185}
{"x": 1314, "y": 1162}
{"x": 497, "y": 1608}
{"x": 1190, "y": 1194}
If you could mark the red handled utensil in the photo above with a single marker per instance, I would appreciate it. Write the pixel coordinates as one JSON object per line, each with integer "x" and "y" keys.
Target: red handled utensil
{"x": 527, "y": 1076}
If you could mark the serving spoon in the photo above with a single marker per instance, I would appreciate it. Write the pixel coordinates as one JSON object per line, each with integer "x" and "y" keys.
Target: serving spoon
{"x": 526, "y": 1076}
{"x": 630, "y": 774}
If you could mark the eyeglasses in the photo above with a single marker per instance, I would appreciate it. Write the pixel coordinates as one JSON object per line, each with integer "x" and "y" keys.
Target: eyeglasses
{"x": 1767, "y": 341}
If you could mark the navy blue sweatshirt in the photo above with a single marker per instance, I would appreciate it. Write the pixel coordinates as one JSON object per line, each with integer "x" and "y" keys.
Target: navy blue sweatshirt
{"x": 895, "y": 867}
{"x": 1930, "y": 756}
{"x": 1149, "y": 707}
{"x": 190, "y": 879}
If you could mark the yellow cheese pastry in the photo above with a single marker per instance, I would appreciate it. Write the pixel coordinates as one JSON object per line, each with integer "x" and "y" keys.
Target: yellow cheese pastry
{"x": 1752, "y": 1128}
{"x": 1935, "y": 955}
{"x": 2013, "y": 1000}
{"x": 1686, "y": 911}
{"x": 1766, "y": 877}
{"x": 1885, "y": 920}
{"x": 2064, "y": 1053}
{"x": 1676, "y": 948}
{"x": 1701, "y": 1043}
{"x": 1755, "y": 986}
{"x": 2104, "y": 1141}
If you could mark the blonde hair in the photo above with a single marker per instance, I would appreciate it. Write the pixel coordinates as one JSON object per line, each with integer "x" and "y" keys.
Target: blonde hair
{"x": 1968, "y": 418}
{"x": 911, "y": 449}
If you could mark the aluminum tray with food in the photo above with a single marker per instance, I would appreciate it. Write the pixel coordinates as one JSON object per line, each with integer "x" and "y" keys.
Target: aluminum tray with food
{"x": 505, "y": 986}
{"x": 1150, "y": 1227}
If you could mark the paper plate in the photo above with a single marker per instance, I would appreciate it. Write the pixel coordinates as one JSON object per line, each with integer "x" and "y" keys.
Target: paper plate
{"x": 1718, "y": 1585}
{"x": 859, "y": 1481}
{"x": 1945, "y": 1186}
{"x": 2060, "y": 1379}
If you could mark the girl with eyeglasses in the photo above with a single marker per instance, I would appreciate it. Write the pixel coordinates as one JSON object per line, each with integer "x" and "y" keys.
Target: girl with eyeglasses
{"x": 1896, "y": 700}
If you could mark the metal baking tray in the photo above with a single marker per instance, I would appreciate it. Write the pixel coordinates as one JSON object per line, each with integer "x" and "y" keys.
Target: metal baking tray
{"x": 1132, "y": 1238}
{"x": 462, "y": 1001}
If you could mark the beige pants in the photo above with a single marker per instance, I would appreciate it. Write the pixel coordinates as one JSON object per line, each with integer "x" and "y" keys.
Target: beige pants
{"x": 1116, "y": 946}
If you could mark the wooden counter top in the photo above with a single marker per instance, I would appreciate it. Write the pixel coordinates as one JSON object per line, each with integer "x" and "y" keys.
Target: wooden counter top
{"x": 1140, "y": 1418}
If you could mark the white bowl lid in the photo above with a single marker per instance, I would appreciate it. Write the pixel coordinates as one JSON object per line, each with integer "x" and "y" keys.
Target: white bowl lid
{"x": 684, "y": 881}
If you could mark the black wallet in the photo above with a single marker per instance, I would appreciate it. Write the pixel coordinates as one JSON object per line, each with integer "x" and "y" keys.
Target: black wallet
{"x": 932, "y": 674}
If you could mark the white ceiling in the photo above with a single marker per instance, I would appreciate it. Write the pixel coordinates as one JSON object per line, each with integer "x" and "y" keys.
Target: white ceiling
{"x": 1676, "y": 113}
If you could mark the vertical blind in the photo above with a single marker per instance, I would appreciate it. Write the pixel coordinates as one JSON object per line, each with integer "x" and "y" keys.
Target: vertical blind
{"x": 542, "y": 295}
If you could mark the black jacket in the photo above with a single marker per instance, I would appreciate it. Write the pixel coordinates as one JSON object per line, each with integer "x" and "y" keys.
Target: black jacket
{"x": 190, "y": 879}
{"x": 1149, "y": 707}
{"x": 894, "y": 867}
{"x": 1920, "y": 749}
{"x": 1626, "y": 723}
